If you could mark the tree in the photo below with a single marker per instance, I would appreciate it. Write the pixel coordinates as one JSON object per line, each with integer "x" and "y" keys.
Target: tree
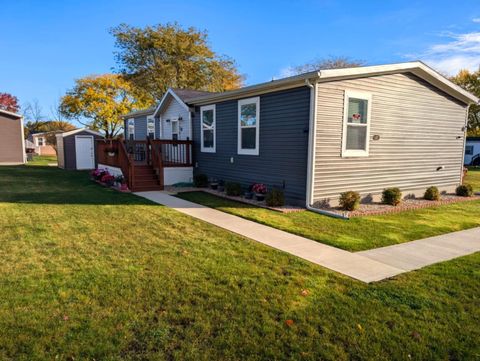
{"x": 34, "y": 117}
{"x": 157, "y": 57}
{"x": 9, "y": 102}
{"x": 471, "y": 83}
{"x": 331, "y": 62}
{"x": 52, "y": 128}
{"x": 102, "y": 100}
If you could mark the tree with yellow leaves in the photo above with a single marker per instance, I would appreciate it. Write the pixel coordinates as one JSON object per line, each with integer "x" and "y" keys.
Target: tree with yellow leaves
{"x": 155, "y": 58}
{"x": 470, "y": 81}
{"x": 102, "y": 100}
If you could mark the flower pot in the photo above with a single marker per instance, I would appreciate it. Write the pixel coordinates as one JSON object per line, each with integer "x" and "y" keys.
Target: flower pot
{"x": 221, "y": 188}
{"x": 248, "y": 195}
{"x": 260, "y": 196}
{"x": 214, "y": 185}
{"x": 111, "y": 154}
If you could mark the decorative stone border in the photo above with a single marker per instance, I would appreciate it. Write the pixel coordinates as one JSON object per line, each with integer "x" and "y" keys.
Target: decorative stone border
{"x": 374, "y": 209}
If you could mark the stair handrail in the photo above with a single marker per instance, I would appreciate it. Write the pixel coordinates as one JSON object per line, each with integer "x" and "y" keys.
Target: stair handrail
{"x": 126, "y": 164}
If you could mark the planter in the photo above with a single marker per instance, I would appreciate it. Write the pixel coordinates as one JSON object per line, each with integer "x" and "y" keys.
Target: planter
{"x": 260, "y": 196}
{"x": 248, "y": 195}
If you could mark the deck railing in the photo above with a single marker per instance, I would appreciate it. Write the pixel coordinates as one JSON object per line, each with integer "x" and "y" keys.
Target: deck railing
{"x": 173, "y": 153}
{"x": 113, "y": 153}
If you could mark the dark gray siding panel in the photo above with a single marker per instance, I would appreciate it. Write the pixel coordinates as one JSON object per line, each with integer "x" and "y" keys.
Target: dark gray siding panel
{"x": 69, "y": 150}
{"x": 283, "y": 152}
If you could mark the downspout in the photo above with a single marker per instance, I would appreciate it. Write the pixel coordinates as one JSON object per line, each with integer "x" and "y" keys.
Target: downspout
{"x": 312, "y": 141}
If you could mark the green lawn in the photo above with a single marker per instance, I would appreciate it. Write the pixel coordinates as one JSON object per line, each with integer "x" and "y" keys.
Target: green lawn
{"x": 43, "y": 160}
{"x": 473, "y": 177}
{"x": 355, "y": 234}
{"x": 90, "y": 274}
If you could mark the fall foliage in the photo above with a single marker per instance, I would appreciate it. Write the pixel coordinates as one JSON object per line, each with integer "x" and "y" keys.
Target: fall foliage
{"x": 9, "y": 102}
{"x": 155, "y": 58}
{"x": 102, "y": 100}
{"x": 470, "y": 81}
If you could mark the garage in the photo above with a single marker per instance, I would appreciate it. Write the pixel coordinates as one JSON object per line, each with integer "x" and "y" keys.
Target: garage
{"x": 77, "y": 149}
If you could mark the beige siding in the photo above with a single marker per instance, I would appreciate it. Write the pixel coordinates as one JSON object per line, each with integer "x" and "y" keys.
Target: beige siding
{"x": 61, "y": 152}
{"x": 420, "y": 129}
{"x": 11, "y": 140}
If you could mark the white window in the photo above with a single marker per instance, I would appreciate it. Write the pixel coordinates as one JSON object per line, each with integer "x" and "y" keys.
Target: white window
{"x": 175, "y": 129}
{"x": 131, "y": 129}
{"x": 356, "y": 124}
{"x": 469, "y": 150}
{"x": 208, "y": 125}
{"x": 151, "y": 127}
{"x": 248, "y": 125}
{"x": 40, "y": 142}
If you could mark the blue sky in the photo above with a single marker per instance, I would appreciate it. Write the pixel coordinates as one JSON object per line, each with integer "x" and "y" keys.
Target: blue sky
{"x": 51, "y": 43}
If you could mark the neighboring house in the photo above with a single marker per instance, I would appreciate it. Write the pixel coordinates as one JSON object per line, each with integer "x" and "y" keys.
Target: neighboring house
{"x": 319, "y": 134}
{"x": 12, "y": 145}
{"x": 41, "y": 146}
{"x": 472, "y": 151}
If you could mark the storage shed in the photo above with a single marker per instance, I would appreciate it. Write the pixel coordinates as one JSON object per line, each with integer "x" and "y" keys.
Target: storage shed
{"x": 76, "y": 149}
{"x": 12, "y": 146}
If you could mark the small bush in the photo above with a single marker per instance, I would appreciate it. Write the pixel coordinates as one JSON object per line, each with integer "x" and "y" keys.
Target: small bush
{"x": 392, "y": 196}
{"x": 233, "y": 189}
{"x": 464, "y": 190}
{"x": 432, "y": 194}
{"x": 200, "y": 180}
{"x": 275, "y": 198}
{"x": 349, "y": 201}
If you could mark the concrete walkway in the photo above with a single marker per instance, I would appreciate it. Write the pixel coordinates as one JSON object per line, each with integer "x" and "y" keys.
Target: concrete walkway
{"x": 367, "y": 266}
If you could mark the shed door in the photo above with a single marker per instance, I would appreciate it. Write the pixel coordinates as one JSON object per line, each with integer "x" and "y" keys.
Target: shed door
{"x": 85, "y": 152}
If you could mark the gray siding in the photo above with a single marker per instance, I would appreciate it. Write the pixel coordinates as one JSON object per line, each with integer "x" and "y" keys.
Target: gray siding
{"x": 11, "y": 139}
{"x": 420, "y": 129}
{"x": 284, "y": 120}
{"x": 175, "y": 110}
{"x": 70, "y": 155}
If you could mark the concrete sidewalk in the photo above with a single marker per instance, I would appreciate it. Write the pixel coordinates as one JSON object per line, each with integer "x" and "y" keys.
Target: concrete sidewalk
{"x": 367, "y": 266}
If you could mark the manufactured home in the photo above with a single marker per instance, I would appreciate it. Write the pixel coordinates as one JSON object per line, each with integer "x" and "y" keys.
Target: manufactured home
{"x": 319, "y": 134}
{"x": 12, "y": 144}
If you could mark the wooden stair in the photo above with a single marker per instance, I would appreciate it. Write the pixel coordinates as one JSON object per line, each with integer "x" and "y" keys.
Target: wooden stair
{"x": 145, "y": 179}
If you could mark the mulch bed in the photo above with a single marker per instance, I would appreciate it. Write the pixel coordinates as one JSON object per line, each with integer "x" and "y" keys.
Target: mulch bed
{"x": 372, "y": 209}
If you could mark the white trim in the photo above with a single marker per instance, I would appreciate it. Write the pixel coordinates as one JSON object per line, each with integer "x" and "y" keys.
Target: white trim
{"x": 416, "y": 67}
{"x": 175, "y": 120}
{"x": 312, "y": 141}
{"x": 10, "y": 113}
{"x": 171, "y": 92}
{"x": 214, "y": 127}
{"x": 66, "y": 134}
{"x": 128, "y": 128}
{"x": 240, "y": 150}
{"x": 151, "y": 117}
{"x": 22, "y": 135}
{"x": 160, "y": 125}
{"x": 363, "y": 96}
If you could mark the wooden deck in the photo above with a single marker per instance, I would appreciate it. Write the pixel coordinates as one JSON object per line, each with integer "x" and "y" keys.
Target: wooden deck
{"x": 143, "y": 161}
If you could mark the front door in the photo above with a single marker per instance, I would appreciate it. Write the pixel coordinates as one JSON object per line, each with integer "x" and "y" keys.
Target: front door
{"x": 85, "y": 152}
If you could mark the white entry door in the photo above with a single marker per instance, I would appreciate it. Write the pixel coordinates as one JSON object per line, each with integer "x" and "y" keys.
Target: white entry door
{"x": 85, "y": 152}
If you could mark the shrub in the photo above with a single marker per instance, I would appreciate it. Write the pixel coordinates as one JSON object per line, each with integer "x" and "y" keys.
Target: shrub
{"x": 233, "y": 189}
{"x": 259, "y": 188}
{"x": 392, "y": 196}
{"x": 200, "y": 180}
{"x": 432, "y": 194}
{"x": 464, "y": 190}
{"x": 275, "y": 198}
{"x": 349, "y": 201}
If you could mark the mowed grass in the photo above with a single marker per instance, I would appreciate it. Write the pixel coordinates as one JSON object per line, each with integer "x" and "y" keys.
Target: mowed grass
{"x": 473, "y": 177}
{"x": 87, "y": 273}
{"x": 43, "y": 160}
{"x": 355, "y": 234}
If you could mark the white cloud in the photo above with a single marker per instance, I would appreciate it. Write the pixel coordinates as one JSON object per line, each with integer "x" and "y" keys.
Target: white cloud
{"x": 476, "y": 20}
{"x": 459, "y": 51}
